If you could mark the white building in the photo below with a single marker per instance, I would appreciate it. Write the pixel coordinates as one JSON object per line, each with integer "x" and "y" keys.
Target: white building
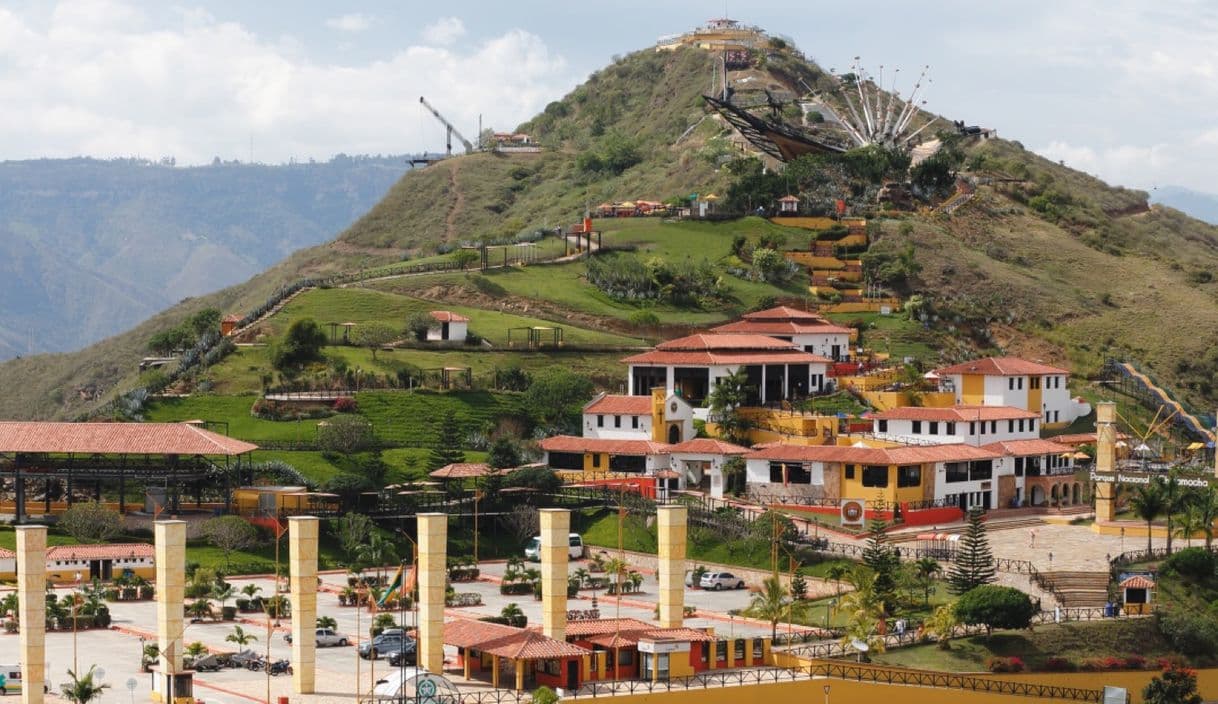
{"x": 970, "y": 425}
{"x": 631, "y": 418}
{"x": 690, "y": 367}
{"x": 601, "y": 455}
{"x": 699, "y": 463}
{"x": 806, "y": 330}
{"x": 1010, "y": 381}
{"x": 448, "y": 326}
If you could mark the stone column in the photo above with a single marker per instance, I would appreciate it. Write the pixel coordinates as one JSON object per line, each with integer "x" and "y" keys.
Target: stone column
{"x": 555, "y": 528}
{"x": 302, "y": 556}
{"x": 1105, "y": 462}
{"x": 32, "y": 611}
{"x": 432, "y": 570}
{"x": 671, "y": 533}
{"x": 170, "y": 592}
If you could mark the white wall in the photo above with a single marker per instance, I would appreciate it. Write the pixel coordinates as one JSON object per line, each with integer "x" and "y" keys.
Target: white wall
{"x": 611, "y": 431}
{"x": 902, "y": 431}
{"x": 757, "y": 473}
{"x": 822, "y": 343}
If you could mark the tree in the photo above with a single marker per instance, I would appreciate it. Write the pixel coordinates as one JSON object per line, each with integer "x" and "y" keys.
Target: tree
{"x": 774, "y": 602}
{"x": 345, "y": 434}
{"x": 353, "y": 530}
{"x": 730, "y": 393}
{"x": 91, "y": 522}
{"x": 735, "y": 471}
{"x": 1188, "y": 523}
{"x": 1176, "y": 685}
{"x": 418, "y": 325}
{"x": 883, "y": 561}
{"x": 1205, "y": 507}
{"x": 327, "y": 622}
{"x": 240, "y": 637}
{"x": 300, "y": 346}
{"x": 464, "y": 257}
{"x": 200, "y": 609}
{"x": 374, "y": 336}
{"x": 942, "y": 625}
{"x": 229, "y": 533}
{"x": 447, "y": 448}
{"x": 837, "y": 572}
{"x": 83, "y": 689}
{"x": 1148, "y": 502}
{"x": 504, "y": 454}
{"x": 222, "y": 592}
{"x": 864, "y": 609}
{"x": 348, "y": 487}
{"x": 556, "y": 397}
{"x": 995, "y": 606}
{"x": 974, "y": 565}
{"x": 1174, "y": 500}
{"x": 927, "y": 570}
{"x": 522, "y": 522}
{"x": 377, "y": 552}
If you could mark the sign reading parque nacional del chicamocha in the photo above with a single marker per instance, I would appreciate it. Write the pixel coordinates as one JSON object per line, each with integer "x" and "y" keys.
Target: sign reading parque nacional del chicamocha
{"x": 1143, "y": 479}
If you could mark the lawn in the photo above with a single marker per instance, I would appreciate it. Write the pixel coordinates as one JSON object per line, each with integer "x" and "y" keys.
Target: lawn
{"x": 363, "y": 305}
{"x": 234, "y": 411}
{"x": 894, "y": 334}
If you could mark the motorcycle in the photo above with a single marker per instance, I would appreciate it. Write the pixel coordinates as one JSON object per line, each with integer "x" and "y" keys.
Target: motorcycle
{"x": 280, "y": 667}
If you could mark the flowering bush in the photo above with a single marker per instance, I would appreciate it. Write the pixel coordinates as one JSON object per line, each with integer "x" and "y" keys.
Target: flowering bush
{"x": 999, "y": 664}
{"x": 345, "y": 404}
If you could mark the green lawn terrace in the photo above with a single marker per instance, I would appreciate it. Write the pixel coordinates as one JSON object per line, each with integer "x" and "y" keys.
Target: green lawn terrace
{"x": 563, "y": 287}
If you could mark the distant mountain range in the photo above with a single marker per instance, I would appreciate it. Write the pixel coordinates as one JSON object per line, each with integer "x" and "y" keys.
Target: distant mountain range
{"x": 89, "y": 248}
{"x": 1203, "y": 206}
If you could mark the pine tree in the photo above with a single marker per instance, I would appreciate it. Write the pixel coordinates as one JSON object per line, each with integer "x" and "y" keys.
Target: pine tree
{"x": 883, "y": 561}
{"x": 447, "y": 449}
{"x": 974, "y": 563}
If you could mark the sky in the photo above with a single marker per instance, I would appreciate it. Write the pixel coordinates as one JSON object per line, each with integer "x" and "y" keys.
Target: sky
{"x": 1122, "y": 89}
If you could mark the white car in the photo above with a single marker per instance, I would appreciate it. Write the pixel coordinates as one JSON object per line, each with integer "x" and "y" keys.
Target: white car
{"x": 325, "y": 637}
{"x": 575, "y": 549}
{"x": 715, "y": 581}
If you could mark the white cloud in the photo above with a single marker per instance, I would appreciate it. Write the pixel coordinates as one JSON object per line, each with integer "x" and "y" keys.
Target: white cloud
{"x": 353, "y": 22}
{"x": 444, "y": 31}
{"x": 80, "y": 83}
{"x": 1133, "y": 165}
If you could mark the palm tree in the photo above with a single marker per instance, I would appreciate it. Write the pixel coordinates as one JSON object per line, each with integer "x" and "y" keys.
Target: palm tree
{"x": 582, "y": 575}
{"x": 377, "y": 552}
{"x": 864, "y": 606}
{"x": 1148, "y": 503}
{"x": 240, "y": 637}
{"x": 82, "y": 690}
{"x": 200, "y": 609}
{"x": 327, "y": 622}
{"x": 223, "y": 591}
{"x": 1188, "y": 524}
{"x": 196, "y": 649}
{"x": 251, "y": 590}
{"x": 9, "y": 605}
{"x": 1174, "y": 501}
{"x": 942, "y": 624}
{"x": 1205, "y": 505}
{"x": 619, "y": 568}
{"x": 927, "y": 568}
{"x": 837, "y": 572}
{"x": 512, "y": 613}
{"x": 773, "y": 602}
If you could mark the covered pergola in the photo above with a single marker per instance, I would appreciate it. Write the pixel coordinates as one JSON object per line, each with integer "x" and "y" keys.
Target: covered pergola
{"x": 172, "y": 455}
{"x": 483, "y": 645}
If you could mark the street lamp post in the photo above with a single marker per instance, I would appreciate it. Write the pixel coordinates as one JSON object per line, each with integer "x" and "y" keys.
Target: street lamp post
{"x": 75, "y": 608}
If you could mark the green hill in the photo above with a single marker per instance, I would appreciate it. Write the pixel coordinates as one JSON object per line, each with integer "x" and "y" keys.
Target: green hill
{"x": 1045, "y": 262}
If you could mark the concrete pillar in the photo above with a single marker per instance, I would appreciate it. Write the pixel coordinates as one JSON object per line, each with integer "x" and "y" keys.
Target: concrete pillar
{"x": 432, "y": 570}
{"x": 302, "y": 568}
{"x": 555, "y": 528}
{"x": 1105, "y": 461}
{"x": 671, "y": 523}
{"x": 170, "y": 592}
{"x": 520, "y": 675}
{"x": 32, "y": 611}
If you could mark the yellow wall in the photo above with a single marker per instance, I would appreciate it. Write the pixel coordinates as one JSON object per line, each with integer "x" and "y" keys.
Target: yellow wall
{"x": 807, "y": 223}
{"x": 1034, "y": 396}
{"x": 853, "y": 488}
{"x": 972, "y": 389}
{"x": 814, "y": 262}
{"x": 870, "y": 306}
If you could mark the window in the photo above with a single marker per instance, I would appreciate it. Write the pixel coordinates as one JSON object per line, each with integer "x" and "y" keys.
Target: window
{"x": 934, "y": 427}
{"x": 566, "y": 460}
{"x": 738, "y": 649}
{"x": 875, "y": 476}
{"x": 1019, "y": 466}
{"x": 600, "y": 421}
{"x": 1010, "y": 426}
{"x": 917, "y": 426}
{"x": 1031, "y": 425}
{"x": 972, "y": 428}
{"x": 993, "y": 426}
{"x": 1021, "y": 425}
{"x": 982, "y": 469}
{"x": 634, "y": 422}
{"x": 957, "y": 472}
{"x": 882, "y": 426}
{"x": 1019, "y": 383}
{"x": 796, "y": 473}
{"x": 850, "y": 471}
{"x": 1011, "y": 384}
{"x": 909, "y": 476}
{"x": 617, "y": 421}
{"x": 721, "y": 650}
{"x": 596, "y": 460}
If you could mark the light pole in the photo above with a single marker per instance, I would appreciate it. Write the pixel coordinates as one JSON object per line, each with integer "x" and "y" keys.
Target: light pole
{"x": 75, "y": 605}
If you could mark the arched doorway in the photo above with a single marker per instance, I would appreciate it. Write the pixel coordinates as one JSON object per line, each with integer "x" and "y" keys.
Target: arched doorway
{"x": 1055, "y": 494}
{"x": 674, "y": 434}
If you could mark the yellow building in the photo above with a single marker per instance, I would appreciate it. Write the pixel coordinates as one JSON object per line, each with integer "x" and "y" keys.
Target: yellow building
{"x": 1010, "y": 381}
{"x": 104, "y": 562}
{"x": 276, "y": 500}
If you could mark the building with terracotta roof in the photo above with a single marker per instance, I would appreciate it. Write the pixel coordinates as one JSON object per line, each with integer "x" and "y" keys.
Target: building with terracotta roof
{"x": 101, "y": 561}
{"x": 1036, "y": 472}
{"x": 536, "y": 659}
{"x": 1010, "y": 381}
{"x": 971, "y": 425}
{"x": 690, "y": 367}
{"x": 699, "y": 463}
{"x": 603, "y": 455}
{"x": 447, "y": 325}
{"x": 806, "y": 330}
{"x": 633, "y": 649}
{"x": 655, "y": 416}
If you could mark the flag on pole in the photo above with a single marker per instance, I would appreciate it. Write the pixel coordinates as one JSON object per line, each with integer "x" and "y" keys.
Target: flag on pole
{"x": 394, "y": 585}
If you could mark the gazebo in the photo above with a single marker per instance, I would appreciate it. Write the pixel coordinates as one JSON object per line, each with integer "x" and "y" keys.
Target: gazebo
{"x": 1136, "y": 593}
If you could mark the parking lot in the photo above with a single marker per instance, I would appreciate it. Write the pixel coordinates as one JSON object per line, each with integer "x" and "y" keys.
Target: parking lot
{"x": 117, "y": 651}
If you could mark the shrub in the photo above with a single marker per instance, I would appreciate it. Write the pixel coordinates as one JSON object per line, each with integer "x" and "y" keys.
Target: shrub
{"x": 345, "y": 404}
{"x": 995, "y": 606}
{"x": 1197, "y": 563}
{"x": 1001, "y": 664}
{"x": 1058, "y": 664}
{"x": 1190, "y": 634}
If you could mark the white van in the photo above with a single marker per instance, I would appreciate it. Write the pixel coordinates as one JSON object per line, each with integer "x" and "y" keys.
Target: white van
{"x": 13, "y": 679}
{"x": 575, "y": 548}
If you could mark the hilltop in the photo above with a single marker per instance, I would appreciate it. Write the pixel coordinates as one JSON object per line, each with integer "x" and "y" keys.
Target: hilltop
{"x": 92, "y": 247}
{"x": 1043, "y": 261}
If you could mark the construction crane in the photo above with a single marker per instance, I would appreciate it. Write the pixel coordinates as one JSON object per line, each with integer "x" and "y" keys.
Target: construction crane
{"x": 469, "y": 146}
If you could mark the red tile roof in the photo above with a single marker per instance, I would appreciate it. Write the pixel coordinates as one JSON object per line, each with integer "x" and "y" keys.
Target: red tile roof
{"x": 783, "y": 313}
{"x": 1027, "y": 448}
{"x": 447, "y": 316}
{"x": 707, "y": 446}
{"x": 1082, "y": 438}
{"x": 507, "y": 641}
{"x": 872, "y": 455}
{"x": 1137, "y": 581}
{"x": 600, "y": 626}
{"x": 956, "y": 413}
{"x": 612, "y": 404}
{"x": 780, "y": 327}
{"x": 117, "y": 438}
{"x": 791, "y": 356}
{"x": 707, "y": 341}
{"x": 572, "y": 443}
{"x": 461, "y": 470}
{"x": 1001, "y": 366}
{"x": 100, "y": 552}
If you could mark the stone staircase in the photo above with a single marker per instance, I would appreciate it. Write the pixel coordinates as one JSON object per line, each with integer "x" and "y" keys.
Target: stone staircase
{"x": 1077, "y": 589}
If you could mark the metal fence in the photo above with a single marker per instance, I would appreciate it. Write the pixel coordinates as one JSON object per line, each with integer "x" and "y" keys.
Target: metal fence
{"x": 861, "y": 672}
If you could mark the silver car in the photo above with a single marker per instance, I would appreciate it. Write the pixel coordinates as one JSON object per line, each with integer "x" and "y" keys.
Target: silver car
{"x": 715, "y": 581}
{"x": 325, "y": 637}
